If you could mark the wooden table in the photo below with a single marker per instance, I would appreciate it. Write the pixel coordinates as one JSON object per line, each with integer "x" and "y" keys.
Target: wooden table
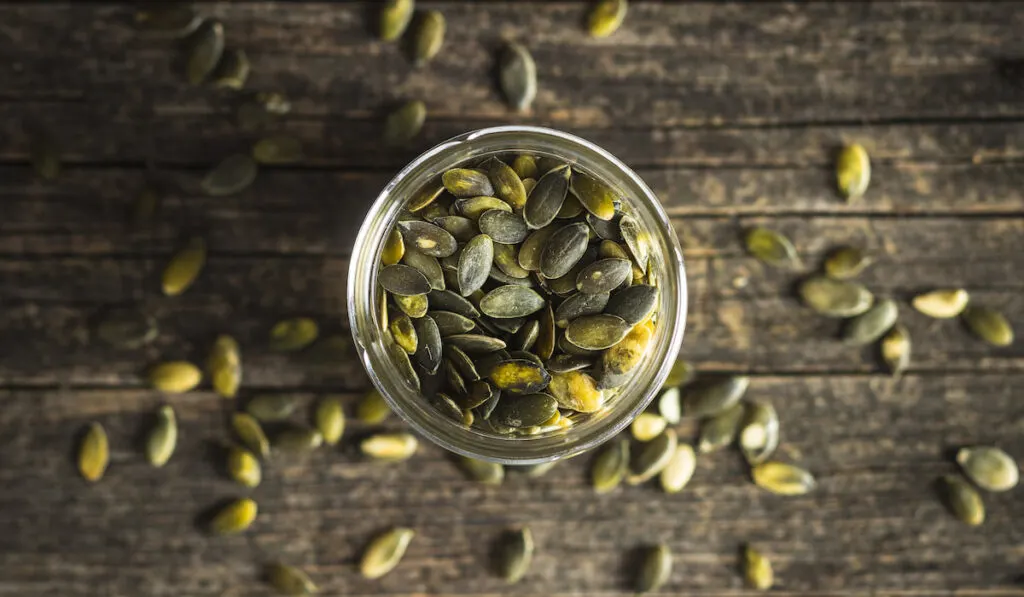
{"x": 732, "y": 113}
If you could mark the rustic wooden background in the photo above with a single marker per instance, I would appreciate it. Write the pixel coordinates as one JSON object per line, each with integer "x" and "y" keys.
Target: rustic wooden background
{"x": 732, "y": 112}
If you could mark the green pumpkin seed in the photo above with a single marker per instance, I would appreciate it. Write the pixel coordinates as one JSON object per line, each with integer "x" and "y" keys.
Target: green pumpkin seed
{"x": 514, "y": 553}
{"x": 481, "y": 395}
{"x": 579, "y": 305}
{"x": 853, "y": 171}
{"x": 525, "y": 166}
{"x": 759, "y": 432}
{"x": 941, "y": 304}
{"x": 757, "y": 569}
{"x": 597, "y": 332}
{"x": 528, "y": 185}
{"x": 772, "y": 248}
{"x": 596, "y": 197}
{"x": 835, "y": 298}
{"x": 720, "y": 430}
{"x": 989, "y": 325}
{"x": 297, "y": 440}
{"x": 571, "y": 208}
{"x": 271, "y": 408}
{"x": 232, "y": 175}
{"x": 127, "y": 328}
{"x": 647, "y": 426}
{"x": 289, "y": 580}
{"x": 290, "y": 335}
{"x": 462, "y": 361}
{"x": 243, "y": 467}
{"x": 456, "y": 383}
{"x": 204, "y": 51}
{"x": 508, "y": 187}
{"x": 682, "y": 373}
{"x": 394, "y": 249}
{"x": 606, "y": 17}
{"x": 428, "y": 239}
{"x": 425, "y": 197}
{"x": 679, "y": 470}
{"x": 465, "y": 183}
{"x": 653, "y": 457}
{"x": 872, "y": 324}
{"x": 176, "y": 20}
{"x": 93, "y": 453}
{"x": 391, "y": 447}
{"x": 563, "y": 251}
{"x": 989, "y": 468}
{"x": 603, "y": 276}
{"x": 403, "y": 280}
{"x": 45, "y": 156}
{"x": 429, "y": 266}
{"x": 511, "y": 301}
{"x": 507, "y": 260}
{"x": 520, "y": 377}
{"x": 233, "y": 70}
{"x": 845, "y": 263}
{"x": 532, "y": 248}
{"x": 474, "y": 207}
{"x": 162, "y": 438}
{"x": 896, "y": 349}
{"x": 475, "y": 264}
{"x": 278, "y": 149}
{"x": 669, "y": 405}
{"x": 372, "y": 409}
{"x": 545, "y": 345}
{"x": 518, "y": 77}
{"x": 476, "y": 343}
{"x": 962, "y": 500}
{"x": 395, "y": 16}
{"x": 482, "y": 471}
{"x": 655, "y": 569}
{"x": 547, "y": 197}
{"x": 449, "y": 324}
{"x": 428, "y": 345}
{"x": 782, "y": 478}
{"x": 429, "y": 37}
{"x": 404, "y": 365}
{"x": 606, "y": 229}
{"x": 502, "y": 226}
{"x": 184, "y": 267}
{"x": 385, "y": 552}
{"x": 330, "y": 420}
{"x": 524, "y": 411}
{"x": 175, "y": 377}
{"x": 405, "y": 122}
{"x": 633, "y": 304}
{"x": 235, "y": 517}
{"x": 712, "y": 397}
{"x": 462, "y": 229}
{"x": 636, "y": 240}
{"x": 225, "y": 366}
{"x": 248, "y": 430}
{"x": 610, "y": 466}
{"x": 403, "y": 332}
{"x": 414, "y": 305}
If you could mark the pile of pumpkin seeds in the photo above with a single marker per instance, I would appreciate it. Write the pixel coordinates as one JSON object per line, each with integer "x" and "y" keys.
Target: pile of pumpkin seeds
{"x": 517, "y": 294}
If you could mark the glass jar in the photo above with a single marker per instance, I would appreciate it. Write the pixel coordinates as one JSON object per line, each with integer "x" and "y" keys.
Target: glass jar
{"x": 364, "y": 296}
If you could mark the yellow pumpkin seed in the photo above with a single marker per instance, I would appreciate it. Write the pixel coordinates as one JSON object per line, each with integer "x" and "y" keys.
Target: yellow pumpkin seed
{"x": 845, "y": 263}
{"x": 647, "y": 426}
{"x": 175, "y": 377}
{"x": 429, "y": 37}
{"x": 989, "y": 325}
{"x": 941, "y": 304}
{"x": 525, "y": 166}
{"x": 759, "y": 432}
{"x": 372, "y": 408}
{"x": 162, "y": 438}
{"x": 271, "y": 408}
{"x": 853, "y": 171}
{"x": 679, "y": 470}
{"x": 330, "y": 420}
{"x": 482, "y": 471}
{"x": 394, "y": 248}
{"x": 606, "y": 17}
{"x": 391, "y": 447}
{"x": 225, "y": 366}
{"x": 577, "y": 391}
{"x": 234, "y": 517}
{"x": 414, "y": 306}
{"x": 835, "y": 298}
{"x": 184, "y": 267}
{"x": 628, "y": 352}
{"x": 896, "y": 348}
{"x": 782, "y": 478}
{"x": 93, "y": 453}
{"x": 990, "y": 468}
{"x": 293, "y": 334}
{"x": 248, "y": 430}
{"x": 772, "y": 248}
{"x": 655, "y": 569}
{"x": 395, "y": 17}
{"x": 385, "y": 552}
{"x": 962, "y": 500}
{"x": 297, "y": 440}
{"x": 403, "y": 332}
{"x": 610, "y": 466}
{"x": 757, "y": 569}
{"x": 289, "y": 580}
{"x": 244, "y": 467}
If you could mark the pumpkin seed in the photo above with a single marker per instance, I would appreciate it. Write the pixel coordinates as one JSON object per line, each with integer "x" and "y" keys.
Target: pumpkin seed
{"x": 271, "y": 408}
{"x": 449, "y": 324}
{"x": 330, "y": 420}
{"x": 757, "y": 569}
{"x": 428, "y": 239}
{"x": 372, "y": 409}
{"x": 93, "y": 453}
{"x": 290, "y": 335}
{"x": 391, "y": 447}
{"x": 682, "y": 373}
{"x": 476, "y": 343}
{"x": 720, "y": 430}
{"x": 845, "y": 263}
{"x": 404, "y": 365}
{"x": 514, "y": 552}
{"x": 525, "y": 166}
{"x": 571, "y": 208}
{"x": 474, "y": 207}
{"x": 385, "y": 552}
{"x": 647, "y": 426}
{"x": 232, "y": 71}
{"x": 989, "y": 325}
{"x": 429, "y": 37}
{"x": 655, "y": 569}
{"x": 482, "y": 471}
{"x": 289, "y": 580}
{"x": 511, "y": 301}
{"x": 529, "y": 184}
{"x": 853, "y": 171}
{"x": 524, "y": 411}
{"x": 128, "y": 328}
{"x": 606, "y": 17}
{"x": 461, "y": 229}
{"x": 989, "y": 468}
{"x": 429, "y": 266}
{"x": 243, "y": 467}
{"x": 633, "y": 304}
{"x": 635, "y": 239}
{"x": 184, "y": 267}
{"x": 872, "y": 324}
{"x": 653, "y": 457}
{"x": 527, "y": 335}
{"x": 577, "y": 391}
{"x": 579, "y": 305}
{"x": 394, "y": 249}
{"x": 506, "y": 260}
{"x": 235, "y": 517}
{"x": 428, "y": 345}
{"x": 474, "y": 264}
{"x": 596, "y": 197}
{"x": 405, "y": 122}
{"x": 414, "y": 306}
{"x": 483, "y": 397}
{"x": 232, "y": 175}
{"x": 462, "y": 362}
{"x": 509, "y": 188}
{"x": 545, "y": 345}
{"x": 941, "y": 304}
{"x": 603, "y": 276}
{"x": 564, "y": 363}
{"x": 465, "y": 183}
{"x": 457, "y": 383}
{"x": 502, "y": 226}
{"x": 297, "y": 440}
{"x": 518, "y": 77}
{"x": 610, "y": 466}
{"x": 546, "y": 198}
{"x": 772, "y": 248}
{"x": 204, "y": 51}
{"x": 962, "y": 500}
{"x": 225, "y": 366}
{"x": 520, "y": 377}
{"x": 162, "y": 438}
{"x": 252, "y": 116}
{"x": 565, "y": 248}
{"x": 535, "y": 471}
{"x": 781, "y": 478}
{"x": 532, "y": 248}
{"x": 896, "y": 348}
{"x": 712, "y": 397}
{"x": 395, "y": 16}
{"x": 404, "y": 280}
{"x": 669, "y": 404}
{"x": 759, "y": 432}
{"x": 835, "y": 298}
{"x": 403, "y": 332}
{"x": 627, "y": 353}
{"x": 248, "y": 430}
{"x": 606, "y": 229}
{"x": 278, "y": 149}
{"x": 175, "y": 377}
{"x": 679, "y": 470}
{"x": 176, "y": 20}
{"x": 597, "y": 332}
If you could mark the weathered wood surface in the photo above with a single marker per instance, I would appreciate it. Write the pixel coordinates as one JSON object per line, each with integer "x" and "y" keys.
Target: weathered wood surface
{"x": 732, "y": 113}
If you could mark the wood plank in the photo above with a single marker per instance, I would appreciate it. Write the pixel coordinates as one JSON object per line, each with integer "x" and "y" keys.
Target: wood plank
{"x": 872, "y": 526}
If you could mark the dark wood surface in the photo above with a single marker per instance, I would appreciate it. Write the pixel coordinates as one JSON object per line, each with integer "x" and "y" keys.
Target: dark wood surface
{"x": 732, "y": 112}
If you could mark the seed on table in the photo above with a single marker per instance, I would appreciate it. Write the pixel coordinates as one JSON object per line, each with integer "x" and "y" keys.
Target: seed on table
{"x": 524, "y": 410}
{"x": 670, "y": 405}
{"x": 564, "y": 250}
{"x": 93, "y": 453}
{"x": 290, "y": 335}
{"x": 395, "y": 16}
{"x": 679, "y": 470}
{"x": 597, "y": 332}
{"x": 127, "y": 328}
{"x": 577, "y": 391}
{"x": 845, "y": 263}
{"x": 235, "y": 517}
{"x": 681, "y": 374}
{"x": 989, "y": 325}
{"x": 244, "y": 467}
{"x": 625, "y": 355}
{"x": 962, "y": 499}
{"x": 203, "y": 51}
{"x": 428, "y": 239}
{"x": 249, "y": 432}
{"x": 772, "y": 248}
{"x": 428, "y": 345}
{"x": 520, "y": 377}
{"x": 896, "y": 348}
{"x": 385, "y": 552}
{"x": 853, "y": 171}
{"x": 720, "y": 431}
{"x": 502, "y": 226}
{"x": 872, "y": 324}
{"x": 655, "y": 569}
{"x": 636, "y": 240}
{"x": 517, "y": 74}
{"x": 511, "y": 301}
{"x": 184, "y": 267}
{"x": 289, "y": 580}
{"x": 271, "y": 408}
{"x": 757, "y": 569}
{"x": 941, "y": 304}
{"x": 835, "y": 298}
{"x": 989, "y": 468}
{"x": 278, "y": 149}
{"x": 647, "y": 426}
{"x": 509, "y": 188}
{"x": 476, "y": 343}
{"x": 514, "y": 553}
{"x": 232, "y": 175}
{"x": 610, "y": 466}
{"x": 391, "y": 447}
{"x": 652, "y": 457}
{"x": 429, "y": 37}
{"x": 162, "y": 438}
{"x": 606, "y": 17}
{"x": 175, "y": 377}
{"x": 547, "y": 197}
{"x": 603, "y": 275}
{"x": 225, "y": 366}
{"x": 759, "y": 432}
{"x": 782, "y": 478}
{"x": 482, "y": 471}
{"x": 232, "y": 71}
{"x": 297, "y": 440}
{"x": 372, "y": 409}
{"x": 405, "y": 122}
{"x": 414, "y": 305}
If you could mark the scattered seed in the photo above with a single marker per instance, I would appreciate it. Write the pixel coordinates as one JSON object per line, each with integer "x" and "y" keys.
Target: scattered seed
{"x": 670, "y": 405}
{"x": 271, "y": 408}
{"x": 248, "y": 430}
{"x": 962, "y": 499}
{"x": 514, "y": 552}
{"x": 297, "y": 440}
{"x": 233, "y": 70}
{"x": 290, "y": 335}
{"x": 989, "y": 325}
{"x": 394, "y": 18}
{"x": 278, "y": 149}
{"x": 655, "y": 570}
{"x": 391, "y": 447}
{"x": 647, "y": 426}
{"x": 232, "y": 175}
{"x": 518, "y": 78}
{"x": 184, "y": 267}
{"x": 93, "y": 453}
{"x": 127, "y": 328}
{"x": 606, "y": 17}
{"x": 225, "y": 366}
{"x": 759, "y": 432}
{"x": 772, "y": 248}
{"x": 610, "y": 466}
{"x": 872, "y": 324}
{"x": 385, "y": 552}
{"x": 782, "y": 478}
{"x": 175, "y": 377}
{"x": 235, "y": 517}
{"x": 429, "y": 37}
{"x": 941, "y": 304}
{"x": 853, "y": 171}
{"x": 720, "y": 431}
{"x": 835, "y": 298}
{"x": 652, "y": 457}
{"x": 845, "y": 263}
{"x": 162, "y": 438}
{"x": 679, "y": 470}
{"x": 757, "y": 569}
{"x": 405, "y": 122}
{"x": 204, "y": 51}
{"x": 289, "y": 580}
{"x": 989, "y": 468}
{"x": 244, "y": 467}
{"x": 482, "y": 471}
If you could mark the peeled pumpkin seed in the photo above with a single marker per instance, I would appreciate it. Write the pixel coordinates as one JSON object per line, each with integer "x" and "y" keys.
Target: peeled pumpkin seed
{"x": 720, "y": 430}
{"x": 896, "y": 349}
{"x": 610, "y": 466}
{"x": 606, "y": 17}
{"x": 514, "y": 552}
{"x": 633, "y": 304}
{"x": 759, "y": 432}
{"x": 518, "y": 77}
{"x": 297, "y": 440}
{"x": 403, "y": 332}
{"x": 989, "y": 325}
{"x": 424, "y": 198}
{"x": 872, "y": 324}
{"x": 466, "y": 183}
{"x": 462, "y": 229}
{"x": 962, "y": 500}
{"x": 603, "y": 275}
{"x": 782, "y": 478}
{"x": 271, "y": 408}
{"x": 394, "y": 249}
{"x": 527, "y": 335}
{"x": 405, "y": 122}
{"x": 989, "y": 468}
{"x": 175, "y": 377}
{"x": 577, "y": 391}
{"x": 853, "y": 171}
{"x": 757, "y": 569}
{"x": 289, "y": 580}
{"x": 248, "y": 430}
{"x": 545, "y": 345}
{"x": 278, "y": 149}
{"x": 184, "y": 267}
{"x": 204, "y": 51}
{"x": 647, "y": 426}
{"x": 772, "y": 248}
{"x": 506, "y": 259}
{"x": 655, "y": 569}
{"x": 391, "y": 447}
{"x": 225, "y": 366}
{"x": 596, "y": 197}
{"x": 509, "y": 188}
{"x": 385, "y": 552}
{"x": 372, "y": 409}
{"x": 414, "y": 305}
{"x": 233, "y": 70}
{"x": 564, "y": 250}
{"x": 243, "y": 467}
{"x": 290, "y": 335}
{"x": 428, "y": 239}
{"x": 235, "y": 517}
{"x": 482, "y": 471}
{"x": 525, "y": 166}
{"x": 669, "y": 404}
{"x": 511, "y": 301}
{"x": 395, "y": 17}
{"x": 127, "y": 328}
{"x": 474, "y": 207}
{"x": 652, "y": 457}
{"x": 520, "y": 377}
{"x": 941, "y": 304}
{"x": 597, "y": 332}
{"x": 625, "y": 355}
{"x": 546, "y": 198}
{"x": 502, "y": 226}
{"x": 845, "y": 263}
{"x": 162, "y": 438}
{"x": 429, "y": 37}
{"x": 679, "y": 470}
{"x": 835, "y": 298}
{"x": 93, "y": 453}
{"x": 232, "y": 175}
{"x": 571, "y": 208}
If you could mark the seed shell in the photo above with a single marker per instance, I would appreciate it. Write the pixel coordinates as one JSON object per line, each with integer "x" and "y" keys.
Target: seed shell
{"x": 235, "y": 517}
{"x": 482, "y": 471}
{"x": 243, "y": 467}
{"x": 395, "y": 17}
{"x": 772, "y": 248}
{"x": 232, "y": 175}
{"x": 575, "y": 390}
{"x": 720, "y": 430}
{"x": 757, "y": 569}
{"x": 625, "y": 355}
{"x": 652, "y": 457}
{"x": 547, "y": 197}
{"x": 941, "y": 304}
{"x": 610, "y": 466}
{"x": 429, "y": 37}
{"x": 248, "y": 430}
{"x": 466, "y": 183}
{"x": 669, "y": 405}
{"x": 845, "y": 263}
{"x": 635, "y": 239}
{"x": 385, "y": 552}
{"x": 474, "y": 264}
{"x": 390, "y": 447}
{"x": 514, "y": 553}
{"x": 989, "y": 468}
{"x": 162, "y": 438}
{"x": 565, "y": 248}
{"x": 872, "y": 324}
{"x": 655, "y": 569}
{"x": 93, "y": 453}
{"x": 184, "y": 267}
{"x": 782, "y": 478}
{"x": 853, "y": 171}
{"x": 476, "y": 343}
{"x": 579, "y": 305}
{"x": 175, "y": 377}
{"x": 405, "y": 122}
{"x": 835, "y": 298}
{"x": 204, "y": 51}
{"x": 759, "y": 432}
{"x": 596, "y": 197}
{"x": 518, "y": 78}
{"x": 679, "y": 470}
{"x": 289, "y": 580}
{"x": 606, "y": 17}
{"x": 989, "y": 325}
{"x": 963, "y": 500}
{"x": 127, "y": 328}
